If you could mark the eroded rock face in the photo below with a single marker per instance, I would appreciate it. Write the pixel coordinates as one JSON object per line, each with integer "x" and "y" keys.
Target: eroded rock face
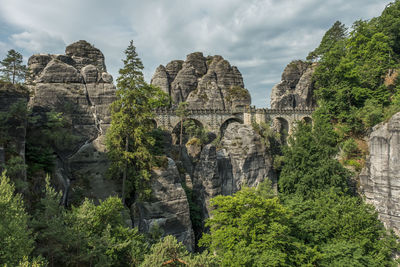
{"x": 242, "y": 160}
{"x": 380, "y": 179}
{"x": 77, "y": 85}
{"x": 169, "y": 208}
{"x": 204, "y": 82}
{"x": 296, "y": 87}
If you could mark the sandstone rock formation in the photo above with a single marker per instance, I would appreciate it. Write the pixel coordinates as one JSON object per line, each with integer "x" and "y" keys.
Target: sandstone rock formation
{"x": 78, "y": 86}
{"x": 242, "y": 159}
{"x": 296, "y": 87}
{"x": 204, "y": 82}
{"x": 380, "y": 179}
{"x": 168, "y": 209}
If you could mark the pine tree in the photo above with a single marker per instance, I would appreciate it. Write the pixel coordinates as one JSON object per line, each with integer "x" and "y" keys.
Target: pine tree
{"x": 129, "y": 138}
{"x": 12, "y": 68}
{"x": 16, "y": 241}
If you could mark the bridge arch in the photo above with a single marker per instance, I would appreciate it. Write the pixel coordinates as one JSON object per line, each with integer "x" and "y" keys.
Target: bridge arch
{"x": 307, "y": 119}
{"x": 226, "y": 123}
{"x": 176, "y": 130}
{"x": 282, "y": 127}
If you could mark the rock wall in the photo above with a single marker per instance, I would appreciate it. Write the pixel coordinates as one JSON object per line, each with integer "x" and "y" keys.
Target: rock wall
{"x": 296, "y": 87}
{"x": 380, "y": 179}
{"x": 204, "y": 82}
{"x": 168, "y": 208}
{"x": 241, "y": 159}
{"x": 77, "y": 85}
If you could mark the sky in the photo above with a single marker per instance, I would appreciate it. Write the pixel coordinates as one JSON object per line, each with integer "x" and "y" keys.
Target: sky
{"x": 260, "y": 37}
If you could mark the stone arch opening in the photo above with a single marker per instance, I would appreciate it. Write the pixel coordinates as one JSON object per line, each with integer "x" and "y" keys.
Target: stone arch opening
{"x": 191, "y": 128}
{"x": 281, "y": 125}
{"x": 307, "y": 120}
{"x": 226, "y": 123}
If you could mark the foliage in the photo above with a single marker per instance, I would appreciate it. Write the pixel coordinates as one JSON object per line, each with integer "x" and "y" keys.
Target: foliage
{"x": 48, "y": 133}
{"x": 129, "y": 138}
{"x": 335, "y": 34}
{"x": 247, "y": 229}
{"x": 86, "y": 235}
{"x": 351, "y": 73}
{"x": 168, "y": 252}
{"x": 12, "y": 68}
{"x": 16, "y": 240}
{"x": 343, "y": 229}
{"x": 309, "y": 160}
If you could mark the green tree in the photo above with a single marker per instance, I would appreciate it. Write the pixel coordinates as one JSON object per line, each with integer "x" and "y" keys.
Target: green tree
{"x": 170, "y": 252}
{"x": 129, "y": 139}
{"x": 344, "y": 230}
{"x": 309, "y": 160}
{"x": 247, "y": 229}
{"x": 16, "y": 240}
{"x": 12, "y": 68}
{"x": 86, "y": 235}
{"x": 335, "y": 34}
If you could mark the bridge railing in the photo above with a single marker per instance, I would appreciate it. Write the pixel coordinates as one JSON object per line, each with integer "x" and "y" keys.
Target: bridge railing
{"x": 251, "y": 110}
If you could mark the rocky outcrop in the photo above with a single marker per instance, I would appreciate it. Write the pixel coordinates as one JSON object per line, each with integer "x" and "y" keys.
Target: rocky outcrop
{"x": 204, "y": 82}
{"x": 77, "y": 85}
{"x": 380, "y": 179}
{"x": 242, "y": 159}
{"x": 168, "y": 208}
{"x": 296, "y": 87}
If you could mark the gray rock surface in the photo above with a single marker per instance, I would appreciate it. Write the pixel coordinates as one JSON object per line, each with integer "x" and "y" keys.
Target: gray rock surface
{"x": 241, "y": 160}
{"x": 296, "y": 87}
{"x": 204, "y": 82}
{"x": 168, "y": 209}
{"x": 77, "y": 85}
{"x": 380, "y": 179}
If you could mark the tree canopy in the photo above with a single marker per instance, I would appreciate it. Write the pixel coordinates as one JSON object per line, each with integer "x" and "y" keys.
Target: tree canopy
{"x": 12, "y": 68}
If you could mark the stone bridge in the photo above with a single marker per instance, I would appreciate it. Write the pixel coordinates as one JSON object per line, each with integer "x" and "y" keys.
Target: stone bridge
{"x": 216, "y": 120}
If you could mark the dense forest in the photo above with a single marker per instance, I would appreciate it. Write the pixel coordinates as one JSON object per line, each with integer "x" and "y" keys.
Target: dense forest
{"x": 317, "y": 217}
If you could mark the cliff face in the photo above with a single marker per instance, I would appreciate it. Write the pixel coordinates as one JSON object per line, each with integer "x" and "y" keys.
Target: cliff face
{"x": 380, "y": 179}
{"x": 296, "y": 87}
{"x": 78, "y": 86}
{"x": 204, "y": 82}
{"x": 242, "y": 159}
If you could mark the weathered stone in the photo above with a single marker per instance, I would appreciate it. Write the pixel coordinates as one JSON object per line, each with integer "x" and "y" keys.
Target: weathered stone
{"x": 296, "y": 87}
{"x": 83, "y": 53}
{"x": 71, "y": 84}
{"x": 90, "y": 74}
{"x": 243, "y": 160}
{"x": 37, "y": 63}
{"x": 203, "y": 82}
{"x": 57, "y": 71}
{"x": 169, "y": 208}
{"x": 160, "y": 79}
{"x": 380, "y": 179}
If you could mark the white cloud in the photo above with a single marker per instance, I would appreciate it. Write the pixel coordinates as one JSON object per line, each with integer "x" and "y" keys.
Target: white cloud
{"x": 259, "y": 36}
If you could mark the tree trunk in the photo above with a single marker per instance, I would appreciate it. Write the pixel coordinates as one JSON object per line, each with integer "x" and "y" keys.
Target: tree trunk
{"x": 125, "y": 171}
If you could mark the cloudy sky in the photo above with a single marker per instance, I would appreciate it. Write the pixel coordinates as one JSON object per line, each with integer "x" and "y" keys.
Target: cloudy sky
{"x": 260, "y": 37}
